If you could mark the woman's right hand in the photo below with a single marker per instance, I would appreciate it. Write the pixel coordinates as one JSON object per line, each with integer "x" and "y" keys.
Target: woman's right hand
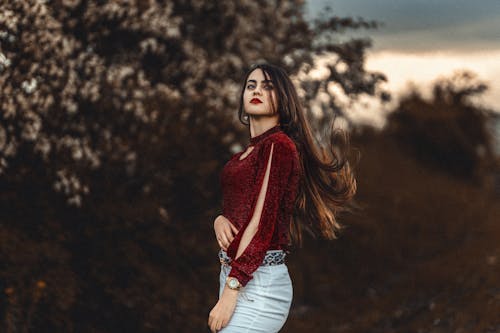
{"x": 224, "y": 231}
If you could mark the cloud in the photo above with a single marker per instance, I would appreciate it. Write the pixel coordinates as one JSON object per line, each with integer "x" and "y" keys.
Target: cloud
{"x": 423, "y": 69}
{"x": 421, "y": 25}
{"x": 423, "y": 40}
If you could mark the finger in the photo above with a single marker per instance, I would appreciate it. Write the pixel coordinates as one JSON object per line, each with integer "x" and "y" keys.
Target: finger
{"x": 233, "y": 228}
{"x": 222, "y": 237}
{"x": 222, "y": 246}
{"x": 225, "y": 240}
{"x": 228, "y": 232}
{"x": 230, "y": 236}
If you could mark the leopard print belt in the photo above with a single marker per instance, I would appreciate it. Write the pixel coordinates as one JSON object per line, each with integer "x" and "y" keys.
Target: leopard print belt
{"x": 272, "y": 257}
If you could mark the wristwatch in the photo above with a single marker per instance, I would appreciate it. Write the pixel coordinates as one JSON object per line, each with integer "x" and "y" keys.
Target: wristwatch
{"x": 233, "y": 283}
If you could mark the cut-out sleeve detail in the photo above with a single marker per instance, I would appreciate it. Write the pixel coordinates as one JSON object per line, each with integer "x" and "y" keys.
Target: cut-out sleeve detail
{"x": 275, "y": 166}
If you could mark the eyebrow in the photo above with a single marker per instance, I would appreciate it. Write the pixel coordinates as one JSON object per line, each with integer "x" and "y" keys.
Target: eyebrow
{"x": 263, "y": 81}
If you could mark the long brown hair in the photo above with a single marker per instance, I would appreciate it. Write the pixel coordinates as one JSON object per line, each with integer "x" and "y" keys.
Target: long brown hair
{"x": 327, "y": 182}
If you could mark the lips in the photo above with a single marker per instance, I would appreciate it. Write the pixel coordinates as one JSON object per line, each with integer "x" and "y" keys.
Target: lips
{"x": 255, "y": 101}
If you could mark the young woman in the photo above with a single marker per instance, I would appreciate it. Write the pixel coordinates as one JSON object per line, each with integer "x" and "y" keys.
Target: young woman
{"x": 281, "y": 183}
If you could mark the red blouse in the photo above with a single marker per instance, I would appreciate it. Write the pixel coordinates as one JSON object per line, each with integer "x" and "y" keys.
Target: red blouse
{"x": 241, "y": 183}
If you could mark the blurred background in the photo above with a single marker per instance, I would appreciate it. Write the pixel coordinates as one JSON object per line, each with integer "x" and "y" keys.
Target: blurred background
{"x": 116, "y": 118}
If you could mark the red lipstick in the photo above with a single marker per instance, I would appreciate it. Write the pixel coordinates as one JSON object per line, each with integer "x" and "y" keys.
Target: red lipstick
{"x": 255, "y": 101}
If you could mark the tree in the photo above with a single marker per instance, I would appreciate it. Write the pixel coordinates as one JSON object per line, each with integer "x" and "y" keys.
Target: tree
{"x": 112, "y": 107}
{"x": 449, "y": 131}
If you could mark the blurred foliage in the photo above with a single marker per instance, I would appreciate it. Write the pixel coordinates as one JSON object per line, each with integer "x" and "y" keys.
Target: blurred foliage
{"x": 116, "y": 120}
{"x": 422, "y": 254}
{"x": 86, "y": 83}
{"x": 449, "y": 130}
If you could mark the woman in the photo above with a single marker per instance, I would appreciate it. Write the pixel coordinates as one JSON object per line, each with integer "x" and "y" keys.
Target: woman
{"x": 279, "y": 184}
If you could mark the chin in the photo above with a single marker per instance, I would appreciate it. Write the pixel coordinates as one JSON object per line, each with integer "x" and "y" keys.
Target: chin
{"x": 255, "y": 107}
{"x": 261, "y": 113}
{"x": 257, "y": 110}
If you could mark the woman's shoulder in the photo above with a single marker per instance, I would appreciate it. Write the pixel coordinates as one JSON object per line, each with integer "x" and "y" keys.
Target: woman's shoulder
{"x": 282, "y": 141}
{"x": 282, "y": 144}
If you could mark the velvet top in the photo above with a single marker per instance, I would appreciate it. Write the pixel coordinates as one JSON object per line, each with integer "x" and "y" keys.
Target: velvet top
{"x": 270, "y": 172}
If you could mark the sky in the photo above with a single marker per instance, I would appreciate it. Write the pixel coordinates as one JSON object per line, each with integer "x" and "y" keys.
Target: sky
{"x": 421, "y": 40}
{"x": 423, "y": 25}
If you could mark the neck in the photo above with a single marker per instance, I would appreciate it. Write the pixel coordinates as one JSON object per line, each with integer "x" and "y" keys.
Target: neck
{"x": 257, "y": 128}
{"x": 264, "y": 134}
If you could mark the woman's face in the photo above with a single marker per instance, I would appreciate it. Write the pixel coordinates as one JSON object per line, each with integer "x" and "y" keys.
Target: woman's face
{"x": 259, "y": 94}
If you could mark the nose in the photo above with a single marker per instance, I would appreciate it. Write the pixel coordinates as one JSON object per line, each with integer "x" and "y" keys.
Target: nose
{"x": 257, "y": 90}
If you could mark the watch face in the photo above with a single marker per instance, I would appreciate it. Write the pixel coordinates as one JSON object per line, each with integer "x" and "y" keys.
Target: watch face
{"x": 233, "y": 283}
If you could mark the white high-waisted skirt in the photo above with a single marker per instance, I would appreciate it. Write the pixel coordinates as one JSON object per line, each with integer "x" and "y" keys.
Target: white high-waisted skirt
{"x": 264, "y": 303}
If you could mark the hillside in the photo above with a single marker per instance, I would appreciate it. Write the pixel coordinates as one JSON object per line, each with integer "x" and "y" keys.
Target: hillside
{"x": 422, "y": 254}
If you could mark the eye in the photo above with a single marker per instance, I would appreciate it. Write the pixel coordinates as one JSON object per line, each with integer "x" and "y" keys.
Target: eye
{"x": 250, "y": 86}
{"x": 269, "y": 87}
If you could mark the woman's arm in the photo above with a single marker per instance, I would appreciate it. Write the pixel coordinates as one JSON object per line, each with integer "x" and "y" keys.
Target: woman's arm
{"x": 276, "y": 163}
{"x": 252, "y": 227}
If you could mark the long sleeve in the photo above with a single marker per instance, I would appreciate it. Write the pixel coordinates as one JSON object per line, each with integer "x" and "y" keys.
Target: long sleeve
{"x": 275, "y": 165}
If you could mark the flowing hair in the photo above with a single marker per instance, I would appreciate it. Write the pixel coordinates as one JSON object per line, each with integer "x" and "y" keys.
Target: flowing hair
{"x": 327, "y": 182}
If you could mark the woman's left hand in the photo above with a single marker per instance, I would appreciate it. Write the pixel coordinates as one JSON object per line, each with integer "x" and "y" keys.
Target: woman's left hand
{"x": 223, "y": 310}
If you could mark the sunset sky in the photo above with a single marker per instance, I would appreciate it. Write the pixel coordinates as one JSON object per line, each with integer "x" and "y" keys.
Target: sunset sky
{"x": 422, "y": 40}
